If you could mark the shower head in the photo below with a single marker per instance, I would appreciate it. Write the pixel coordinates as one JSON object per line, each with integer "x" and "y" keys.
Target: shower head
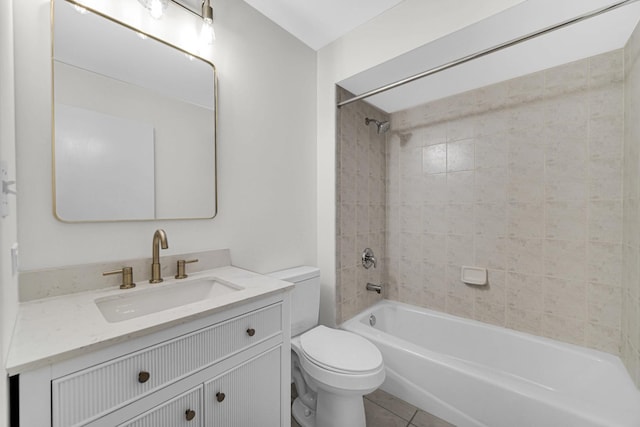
{"x": 382, "y": 127}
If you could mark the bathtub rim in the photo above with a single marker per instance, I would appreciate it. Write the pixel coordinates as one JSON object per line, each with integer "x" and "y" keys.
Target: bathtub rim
{"x": 598, "y": 355}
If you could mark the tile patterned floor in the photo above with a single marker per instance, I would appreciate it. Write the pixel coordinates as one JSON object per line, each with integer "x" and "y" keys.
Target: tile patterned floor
{"x": 385, "y": 410}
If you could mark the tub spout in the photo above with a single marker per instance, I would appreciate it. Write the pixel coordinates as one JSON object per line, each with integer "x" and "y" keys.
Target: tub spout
{"x": 372, "y": 287}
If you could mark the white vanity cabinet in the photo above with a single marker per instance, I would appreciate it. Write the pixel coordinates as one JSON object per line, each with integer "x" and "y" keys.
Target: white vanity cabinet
{"x": 246, "y": 395}
{"x": 173, "y": 412}
{"x": 230, "y": 369}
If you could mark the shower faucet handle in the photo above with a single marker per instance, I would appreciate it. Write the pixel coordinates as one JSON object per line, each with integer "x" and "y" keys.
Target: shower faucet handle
{"x": 368, "y": 259}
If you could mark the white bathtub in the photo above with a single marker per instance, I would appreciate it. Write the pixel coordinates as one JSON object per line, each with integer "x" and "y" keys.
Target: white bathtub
{"x": 477, "y": 375}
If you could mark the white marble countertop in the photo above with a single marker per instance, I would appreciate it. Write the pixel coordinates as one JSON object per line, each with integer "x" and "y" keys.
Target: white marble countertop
{"x": 54, "y": 329}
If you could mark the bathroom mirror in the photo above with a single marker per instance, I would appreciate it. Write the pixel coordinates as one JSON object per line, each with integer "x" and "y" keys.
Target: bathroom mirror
{"x": 133, "y": 123}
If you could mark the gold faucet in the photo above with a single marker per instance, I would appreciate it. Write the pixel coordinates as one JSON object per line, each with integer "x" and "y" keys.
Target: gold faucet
{"x": 159, "y": 238}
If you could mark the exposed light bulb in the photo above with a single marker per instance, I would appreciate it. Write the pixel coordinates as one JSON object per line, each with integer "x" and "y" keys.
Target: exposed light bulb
{"x": 157, "y": 8}
{"x": 207, "y": 33}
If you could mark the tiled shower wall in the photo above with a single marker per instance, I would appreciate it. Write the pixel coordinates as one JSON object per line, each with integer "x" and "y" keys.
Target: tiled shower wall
{"x": 524, "y": 178}
{"x": 360, "y": 216}
{"x": 630, "y": 353}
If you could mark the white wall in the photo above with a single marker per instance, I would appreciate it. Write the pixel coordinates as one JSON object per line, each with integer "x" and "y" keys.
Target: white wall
{"x": 8, "y": 227}
{"x": 387, "y": 36}
{"x": 266, "y": 145}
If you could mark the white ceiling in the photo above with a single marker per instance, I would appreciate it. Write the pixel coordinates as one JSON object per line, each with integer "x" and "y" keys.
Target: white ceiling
{"x": 319, "y": 22}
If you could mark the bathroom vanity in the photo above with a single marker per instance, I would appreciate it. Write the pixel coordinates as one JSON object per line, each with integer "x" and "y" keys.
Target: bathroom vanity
{"x": 223, "y": 360}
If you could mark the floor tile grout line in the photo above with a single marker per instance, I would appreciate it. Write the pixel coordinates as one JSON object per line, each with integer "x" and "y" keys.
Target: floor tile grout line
{"x": 393, "y": 413}
{"x": 412, "y": 417}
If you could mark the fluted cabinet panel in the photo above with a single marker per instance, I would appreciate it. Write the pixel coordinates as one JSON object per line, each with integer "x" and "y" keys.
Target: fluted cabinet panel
{"x": 90, "y": 393}
{"x": 251, "y": 394}
{"x": 182, "y": 411}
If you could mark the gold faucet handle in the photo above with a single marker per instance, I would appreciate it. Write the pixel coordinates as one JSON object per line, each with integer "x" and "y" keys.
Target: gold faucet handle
{"x": 182, "y": 274}
{"x": 127, "y": 277}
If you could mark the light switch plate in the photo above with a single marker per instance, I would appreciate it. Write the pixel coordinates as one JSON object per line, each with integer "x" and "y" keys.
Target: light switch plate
{"x": 4, "y": 197}
{"x": 14, "y": 259}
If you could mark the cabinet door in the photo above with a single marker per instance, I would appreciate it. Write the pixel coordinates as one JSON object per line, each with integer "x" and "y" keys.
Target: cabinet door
{"x": 182, "y": 411}
{"x": 248, "y": 395}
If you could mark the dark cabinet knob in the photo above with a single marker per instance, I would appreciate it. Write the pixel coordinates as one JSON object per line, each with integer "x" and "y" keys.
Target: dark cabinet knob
{"x": 251, "y": 332}
{"x": 190, "y": 414}
{"x": 220, "y": 396}
{"x": 143, "y": 377}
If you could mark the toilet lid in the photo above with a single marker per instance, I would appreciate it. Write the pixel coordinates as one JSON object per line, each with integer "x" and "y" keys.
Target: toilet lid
{"x": 340, "y": 351}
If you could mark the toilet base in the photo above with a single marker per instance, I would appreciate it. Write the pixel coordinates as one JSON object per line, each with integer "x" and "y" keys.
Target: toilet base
{"x": 333, "y": 411}
{"x": 303, "y": 415}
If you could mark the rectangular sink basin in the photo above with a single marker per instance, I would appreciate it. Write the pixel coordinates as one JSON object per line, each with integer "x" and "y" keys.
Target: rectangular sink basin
{"x": 140, "y": 303}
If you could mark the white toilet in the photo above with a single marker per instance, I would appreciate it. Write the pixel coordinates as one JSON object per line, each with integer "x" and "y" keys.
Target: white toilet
{"x": 332, "y": 369}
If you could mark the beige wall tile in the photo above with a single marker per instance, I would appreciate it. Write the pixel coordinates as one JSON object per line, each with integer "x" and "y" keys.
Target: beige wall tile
{"x": 605, "y": 221}
{"x": 565, "y": 259}
{"x": 491, "y": 252}
{"x": 564, "y": 329}
{"x": 524, "y": 320}
{"x": 606, "y": 136}
{"x": 460, "y": 219}
{"x": 526, "y": 219}
{"x": 567, "y": 78}
{"x": 605, "y": 263}
{"x": 604, "y": 338}
{"x": 433, "y": 248}
{"x": 460, "y": 187}
{"x": 527, "y": 88}
{"x": 460, "y": 155}
{"x": 525, "y": 292}
{"x": 566, "y": 220}
{"x": 434, "y": 218}
{"x": 525, "y": 178}
{"x": 525, "y": 255}
{"x": 605, "y": 179}
{"x": 486, "y": 312}
{"x": 495, "y": 292}
{"x": 434, "y": 276}
{"x": 491, "y": 219}
{"x": 606, "y": 68}
{"x": 490, "y": 185}
{"x": 460, "y": 250}
{"x": 565, "y": 298}
{"x": 604, "y": 302}
{"x": 491, "y": 151}
{"x": 434, "y": 158}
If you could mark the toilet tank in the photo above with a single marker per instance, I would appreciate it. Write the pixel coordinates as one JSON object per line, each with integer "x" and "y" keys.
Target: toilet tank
{"x": 305, "y": 297}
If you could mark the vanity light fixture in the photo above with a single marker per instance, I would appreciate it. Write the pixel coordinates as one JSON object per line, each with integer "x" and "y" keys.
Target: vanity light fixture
{"x": 207, "y": 34}
{"x": 156, "y": 7}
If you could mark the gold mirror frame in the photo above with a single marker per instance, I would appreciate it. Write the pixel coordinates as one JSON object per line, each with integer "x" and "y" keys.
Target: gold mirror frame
{"x": 53, "y": 118}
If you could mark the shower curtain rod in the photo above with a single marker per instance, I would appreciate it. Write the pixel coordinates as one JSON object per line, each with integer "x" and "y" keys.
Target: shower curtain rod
{"x": 488, "y": 51}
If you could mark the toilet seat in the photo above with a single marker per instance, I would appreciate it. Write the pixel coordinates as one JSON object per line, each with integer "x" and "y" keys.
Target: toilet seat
{"x": 340, "y": 351}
